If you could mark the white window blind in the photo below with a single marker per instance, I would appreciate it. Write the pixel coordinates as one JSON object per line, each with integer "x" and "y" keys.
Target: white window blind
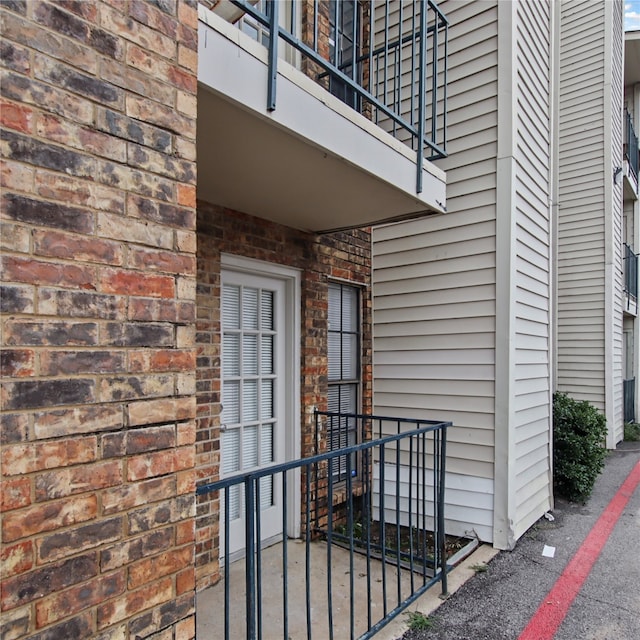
{"x": 248, "y": 386}
{"x": 343, "y": 370}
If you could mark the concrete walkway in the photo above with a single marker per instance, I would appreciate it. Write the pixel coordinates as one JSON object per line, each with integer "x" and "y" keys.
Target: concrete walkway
{"x": 499, "y": 603}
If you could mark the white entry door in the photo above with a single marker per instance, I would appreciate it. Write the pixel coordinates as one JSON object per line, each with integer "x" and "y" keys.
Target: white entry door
{"x": 253, "y": 415}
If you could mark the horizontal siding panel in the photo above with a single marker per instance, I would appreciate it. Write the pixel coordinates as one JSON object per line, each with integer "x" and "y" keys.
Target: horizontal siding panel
{"x": 532, "y": 465}
{"x": 438, "y": 236}
{"x": 451, "y": 371}
{"x": 388, "y": 288}
{"x": 530, "y": 385}
{"x": 438, "y": 312}
{"x": 527, "y": 342}
{"x": 530, "y": 512}
{"x": 469, "y": 201}
{"x": 534, "y": 398}
{"x": 584, "y": 374}
{"x": 533, "y": 356}
{"x": 533, "y": 414}
{"x": 433, "y": 297}
{"x": 472, "y": 388}
{"x": 434, "y": 356}
{"x": 451, "y": 326}
{"x": 533, "y": 274}
{"x": 527, "y": 326}
{"x": 474, "y": 340}
{"x": 532, "y": 491}
{"x": 442, "y": 252}
{"x": 391, "y": 233}
{"x": 457, "y": 265}
{"x": 461, "y": 419}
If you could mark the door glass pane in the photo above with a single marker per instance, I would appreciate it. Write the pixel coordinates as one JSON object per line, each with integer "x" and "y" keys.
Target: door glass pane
{"x": 266, "y": 492}
{"x": 231, "y": 355}
{"x": 231, "y": 445}
{"x": 231, "y": 402}
{"x": 250, "y": 401}
{"x": 231, "y": 307}
{"x": 266, "y": 311}
{"x": 249, "y": 308}
{"x": 234, "y": 502}
{"x": 266, "y": 400}
{"x": 266, "y": 355}
{"x": 250, "y": 447}
{"x": 250, "y": 355}
{"x": 266, "y": 444}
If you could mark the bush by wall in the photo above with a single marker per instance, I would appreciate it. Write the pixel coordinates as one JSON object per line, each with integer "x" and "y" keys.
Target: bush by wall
{"x": 579, "y": 432}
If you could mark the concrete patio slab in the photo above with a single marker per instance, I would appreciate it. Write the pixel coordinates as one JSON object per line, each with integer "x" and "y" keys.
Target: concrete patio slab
{"x": 344, "y": 580}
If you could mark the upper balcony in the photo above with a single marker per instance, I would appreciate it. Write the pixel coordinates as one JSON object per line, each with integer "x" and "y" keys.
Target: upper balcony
{"x": 630, "y": 281}
{"x": 322, "y": 115}
{"x": 630, "y": 159}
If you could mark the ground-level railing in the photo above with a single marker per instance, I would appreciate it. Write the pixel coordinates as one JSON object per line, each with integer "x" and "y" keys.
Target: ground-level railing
{"x": 378, "y": 534}
{"x": 629, "y": 399}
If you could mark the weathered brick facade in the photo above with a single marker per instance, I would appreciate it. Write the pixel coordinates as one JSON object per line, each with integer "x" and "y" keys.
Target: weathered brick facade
{"x": 98, "y": 115}
{"x": 344, "y": 256}
{"x": 110, "y": 362}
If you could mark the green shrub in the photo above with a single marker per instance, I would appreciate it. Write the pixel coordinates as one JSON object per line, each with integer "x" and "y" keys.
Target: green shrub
{"x": 579, "y": 432}
{"x": 632, "y": 431}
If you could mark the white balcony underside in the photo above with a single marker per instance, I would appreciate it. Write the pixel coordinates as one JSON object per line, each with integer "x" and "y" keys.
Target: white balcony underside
{"x": 313, "y": 163}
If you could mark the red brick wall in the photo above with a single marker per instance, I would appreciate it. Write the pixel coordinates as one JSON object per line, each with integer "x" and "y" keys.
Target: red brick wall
{"x": 98, "y": 108}
{"x": 344, "y": 255}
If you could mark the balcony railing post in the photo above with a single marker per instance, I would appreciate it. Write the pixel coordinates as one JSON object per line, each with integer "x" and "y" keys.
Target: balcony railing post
{"x": 422, "y": 56}
{"x": 250, "y": 559}
{"x": 273, "y": 55}
{"x": 440, "y": 506}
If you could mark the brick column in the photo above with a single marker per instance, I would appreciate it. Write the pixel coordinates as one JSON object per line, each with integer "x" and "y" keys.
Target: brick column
{"x": 98, "y": 114}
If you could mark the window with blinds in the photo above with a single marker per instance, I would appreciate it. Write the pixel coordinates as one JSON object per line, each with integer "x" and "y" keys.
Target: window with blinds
{"x": 344, "y": 371}
{"x": 248, "y": 386}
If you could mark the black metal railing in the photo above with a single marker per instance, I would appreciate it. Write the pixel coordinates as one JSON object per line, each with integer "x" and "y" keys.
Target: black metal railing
{"x": 386, "y": 60}
{"x": 629, "y": 396}
{"x": 630, "y": 278}
{"x": 385, "y": 538}
{"x": 631, "y": 154}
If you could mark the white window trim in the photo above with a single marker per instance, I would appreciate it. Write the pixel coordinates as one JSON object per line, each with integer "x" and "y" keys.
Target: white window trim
{"x": 291, "y": 278}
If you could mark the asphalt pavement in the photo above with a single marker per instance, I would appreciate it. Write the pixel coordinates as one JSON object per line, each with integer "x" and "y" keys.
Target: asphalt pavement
{"x": 500, "y": 602}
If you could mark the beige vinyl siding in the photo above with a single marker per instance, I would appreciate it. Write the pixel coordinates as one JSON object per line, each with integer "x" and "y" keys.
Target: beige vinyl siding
{"x": 460, "y": 510}
{"x": 581, "y": 222}
{"x": 615, "y": 411}
{"x": 523, "y": 411}
{"x": 434, "y": 284}
{"x": 590, "y": 231}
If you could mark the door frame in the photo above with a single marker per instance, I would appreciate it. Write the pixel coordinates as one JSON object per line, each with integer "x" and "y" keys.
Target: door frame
{"x": 291, "y": 278}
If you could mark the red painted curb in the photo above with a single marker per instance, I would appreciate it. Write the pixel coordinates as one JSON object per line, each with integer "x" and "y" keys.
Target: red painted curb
{"x": 553, "y": 610}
